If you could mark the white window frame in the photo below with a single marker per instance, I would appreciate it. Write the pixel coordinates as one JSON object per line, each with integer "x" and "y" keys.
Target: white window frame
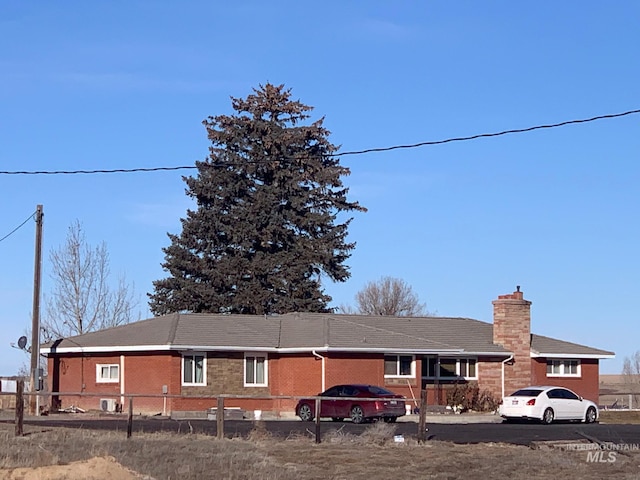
{"x": 192, "y": 356}
{"x": 254, "y": 356}
{"x": 457, "y": 375}
{"x": 467, "y": 359}
{"x": 397, "y": 374}
{"x": 101, "y": 379}
{"x": 563, "y": 367}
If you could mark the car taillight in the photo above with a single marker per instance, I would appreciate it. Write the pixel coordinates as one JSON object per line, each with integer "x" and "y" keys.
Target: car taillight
{"x": 531, "y": 402}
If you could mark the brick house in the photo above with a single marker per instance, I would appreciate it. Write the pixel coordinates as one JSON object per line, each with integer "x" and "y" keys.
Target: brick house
{"x": 181, "y": 358}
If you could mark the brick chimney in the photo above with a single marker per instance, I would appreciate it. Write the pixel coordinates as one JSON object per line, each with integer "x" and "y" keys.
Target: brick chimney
{"x": 512, "y": 330}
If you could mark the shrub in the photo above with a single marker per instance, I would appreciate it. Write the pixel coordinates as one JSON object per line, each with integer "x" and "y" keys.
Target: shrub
{"x": 463, "y": 397}
{"x": 379, "y": 433}
{"x": 259, "y": 432}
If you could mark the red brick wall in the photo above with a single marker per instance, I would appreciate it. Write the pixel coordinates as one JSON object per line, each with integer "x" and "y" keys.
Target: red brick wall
{"x": 297, "y": 374}
{"x": 147, "y": 373}
{"x": 144, "y": 373}
{"x": 586, "y": 385}
{"x": 344, "y": 368}
{"x": 77, "y": 374}
{"x": 300, "y": 375}
{"x": 289, "y": 375}
{"x": 512, "y": 330}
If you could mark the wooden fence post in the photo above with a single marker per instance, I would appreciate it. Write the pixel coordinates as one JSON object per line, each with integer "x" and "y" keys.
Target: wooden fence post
{"x": 19, "y": 407}
{"x": 317, "y": 419}
{"x": 422, "y": 422}
{"x": 130, "y": 419}
{"x": 220, "y": 418}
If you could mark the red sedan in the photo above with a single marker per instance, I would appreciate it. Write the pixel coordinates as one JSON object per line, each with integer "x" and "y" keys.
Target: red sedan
{"x": 358, "y": 402}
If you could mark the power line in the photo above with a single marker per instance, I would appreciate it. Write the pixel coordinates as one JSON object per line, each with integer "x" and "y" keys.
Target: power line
{"x": 496, "y": 134}
{"x": 353, "y": 152}
{"x": 17, "y": 228}
{"x": 115, "y": 170}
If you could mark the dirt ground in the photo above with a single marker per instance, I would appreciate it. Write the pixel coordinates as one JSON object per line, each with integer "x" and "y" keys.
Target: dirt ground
{"x": 61, "y": 453}
{"x": 97, "y": 468}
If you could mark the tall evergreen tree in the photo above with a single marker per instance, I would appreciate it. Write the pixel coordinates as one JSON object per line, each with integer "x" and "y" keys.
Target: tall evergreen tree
{"x": 265, "y": 228}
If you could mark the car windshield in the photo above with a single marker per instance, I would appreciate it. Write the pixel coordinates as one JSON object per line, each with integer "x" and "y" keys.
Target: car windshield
{"x": 379, "y": 391}
{"x": 527, "y": 392}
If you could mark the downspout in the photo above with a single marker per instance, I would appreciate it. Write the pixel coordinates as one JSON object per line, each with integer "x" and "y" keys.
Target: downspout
{"x": 503, "y": 364}
{"x": 122, "y": 387}
{"x": 317, "y": 355}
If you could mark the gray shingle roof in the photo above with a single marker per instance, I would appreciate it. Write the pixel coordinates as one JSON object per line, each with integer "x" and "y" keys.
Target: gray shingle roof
{"x": 460, "y": 335}
{"x": 545, "y": 346}
{"x": 244, "y": 331}
{"x": 353, "y": 332}
{"x": 154, "y": 331}
{"x": 307, "y": 331}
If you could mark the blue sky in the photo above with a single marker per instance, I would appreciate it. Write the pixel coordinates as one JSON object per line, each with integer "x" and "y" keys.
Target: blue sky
{"x": 126, "y": 84}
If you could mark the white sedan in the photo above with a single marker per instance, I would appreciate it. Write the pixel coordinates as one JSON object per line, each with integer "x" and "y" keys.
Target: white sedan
{"x": 547, "y": 404}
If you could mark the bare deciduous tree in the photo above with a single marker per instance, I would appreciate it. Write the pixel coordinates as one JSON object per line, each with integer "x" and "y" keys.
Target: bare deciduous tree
{"x": 389, "y": 296}
{"x": 631, "y": 374}
{"x": 82, "y": 299}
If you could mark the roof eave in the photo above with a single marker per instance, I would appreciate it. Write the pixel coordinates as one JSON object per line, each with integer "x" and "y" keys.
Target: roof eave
{"x": 105, "y": 349}
{"x": 227, "y": 348}
{"x": 324, "y": 348}
{"x": 573, "y": 355}
{"x": 487, "y": 354}
{"x": 414, "y": 351}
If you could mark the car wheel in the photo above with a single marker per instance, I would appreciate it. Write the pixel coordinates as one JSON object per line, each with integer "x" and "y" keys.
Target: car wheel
{"x": 305, "y": 413}
{"x": 547, "y": 416}
{"x": 591, "y": 415}
{"x": 337, "y": 419}
{"x": 390, "y": 419}
{"x": 357, "y": 414}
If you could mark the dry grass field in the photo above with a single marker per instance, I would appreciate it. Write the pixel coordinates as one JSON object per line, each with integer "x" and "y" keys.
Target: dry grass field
{"x": 57, "y": 453}
{"x": 620, "y": 416}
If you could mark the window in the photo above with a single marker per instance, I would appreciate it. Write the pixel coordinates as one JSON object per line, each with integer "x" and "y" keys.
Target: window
{"x": 349, "y": 391}
{"x": 526, "y": 392}
{"x": 563, "y": 368}
{"x": 108, "y": 373}
{"x": 553, "y": 367}
{"x": 467, "y": 368}
{"x": 556, "y": 393}
{"x": 449, "y": 368}
{"x": 399, "y": 366}
{"x": 194, "y": 369}
{"x": 255, "y": 370}
{"x": 569, "y": 395}
{"x": 429, "y": 367}
{"x": 332, "y": 392}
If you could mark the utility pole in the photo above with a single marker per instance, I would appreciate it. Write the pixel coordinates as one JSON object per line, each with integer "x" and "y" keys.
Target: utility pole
{"x": 35, "y": 324}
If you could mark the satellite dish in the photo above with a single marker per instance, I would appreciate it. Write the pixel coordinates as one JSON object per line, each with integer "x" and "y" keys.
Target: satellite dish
{"x": 22, "y": 342}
